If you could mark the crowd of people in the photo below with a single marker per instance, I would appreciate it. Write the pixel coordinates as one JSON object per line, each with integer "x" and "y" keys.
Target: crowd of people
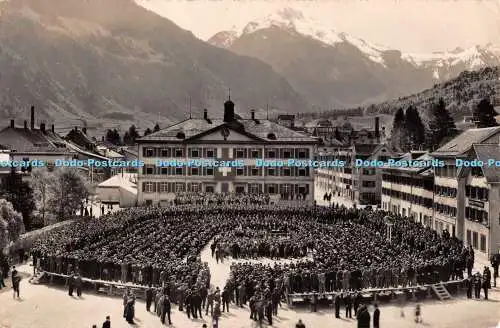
{"x": 220, "y": 198}
{"x": 335, "y": 249}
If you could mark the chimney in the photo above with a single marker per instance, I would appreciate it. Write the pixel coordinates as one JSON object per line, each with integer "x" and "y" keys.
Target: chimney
{"x": 252, "y": 113}
{"x": 25, "y": 124}
{"x": 205, "y": 114}
{"x": 12, "y": 123}
{"x": 32, "y": 117}
{"x": 42, "y": 127}
{"x": 228, "y": 111}
{"x": 84, "y": 130}
{"x": 377, "y": 127}
{"x": 52, "y": 128}
{"x": 292, "y": 122}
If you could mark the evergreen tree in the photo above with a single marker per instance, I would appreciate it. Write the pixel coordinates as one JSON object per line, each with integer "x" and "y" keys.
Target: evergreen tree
{"x": 133, "y": 134}
{"x": 126, "y": 139}
{"x": 441, "y": 125}
{"x": 484, "y": 114}
{"x": 156, "y": 128}
{"x": 116, "y": 137}
{"x": 147, "y": 132}
{"x": 415, "y": 130}
{"x": 20, "y": 194}
{"x": 398, "y": 135}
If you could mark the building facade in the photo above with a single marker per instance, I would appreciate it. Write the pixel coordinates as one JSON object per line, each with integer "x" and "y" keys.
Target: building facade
{"x": 229, "y": 139}
{"x": 361, "y": 185}
{"x": 464, "y": 200}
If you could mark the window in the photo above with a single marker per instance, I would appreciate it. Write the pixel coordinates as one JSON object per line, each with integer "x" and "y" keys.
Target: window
{"x": 302, "y": 172}
{"x": 195, "y": 187}
{"x": 209, "y": 189}
{"x": 271, "y": 171}
{"x": 271, "y": 153}
{"x": 287, "y": 172}
{"x": 254, "y": 188}
{"x": 149, "y": 202}
{"x": 179, "y": 152}
{"x": 474, "y": 239}
{"x": 148, "y": 152}
{"x": 483, "y": 243}
{"x": 195, "y": 152}
{"x": 148, "y": 187}
{"x": 271, "y": 189}
{"x": 163, "y": 186}
{"x": 149, "y": 170}
{"x": 179, "y": 171}
{"x": 303, "y": 153}
{"x": 164, "y": 170}
{"x": 195, "y": 171}
{"x": 210, "y": 153}
{"x": 240, "y": 153}
{"x": 240, "y": 171}
{"x": 255, "y": 171}
{"x": 179, "y": 187}
{"x": 287, "y": 153}
{"x": 165, "y": 152}
{"x": 369, "y": 184}
{"x": 255, "y": 153}
{"x": 210, "y": 171}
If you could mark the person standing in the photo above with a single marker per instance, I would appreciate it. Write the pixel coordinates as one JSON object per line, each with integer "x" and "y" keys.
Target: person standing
{"x": 79, "y": 285}
{"x": 216, "y": 315}
{"x": 348, "y": 306}
{"x": 477, "y": 285}
{"x": 2, "y": 283}
{"x": 125, "y": 301}
{"x": 495, "y": 261}
{"x": 336, "y": 303}
{"x": 71, "y": 284}
{"x": 469, "y": 283}
{"x": 107, "y": 323}
{"x": 418, "y": 314}
{"x": 363, "y": 317}
{"x": 16, "y": 280}
{"x": 376, "y": 317}
{"x": 149, "y": 298}
{"x": 166, "y": 309}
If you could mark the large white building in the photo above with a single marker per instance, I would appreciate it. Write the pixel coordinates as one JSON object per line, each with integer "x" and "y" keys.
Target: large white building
{"x": 227, "y": 139}
{"x": 465, "y": 200}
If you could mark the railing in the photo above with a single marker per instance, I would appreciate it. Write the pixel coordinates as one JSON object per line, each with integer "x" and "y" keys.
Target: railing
{"x": 376, "y": 293}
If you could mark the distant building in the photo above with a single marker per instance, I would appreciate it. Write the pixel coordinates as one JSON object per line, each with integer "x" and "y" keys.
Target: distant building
{"x": 225, "y": 139}
{"x": 29, "y": 143}
{"x": 465, "y": 201}
{"x": 120, "y": 189}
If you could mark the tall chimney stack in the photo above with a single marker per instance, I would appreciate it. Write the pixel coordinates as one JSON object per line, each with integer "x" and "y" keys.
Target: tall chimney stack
{"x": 252, "y": 113}
{"x": 32, "y": 117}
{"x": 42, "y": 127}
{"x": 84, "y": 130}
{"x": 12, "y": 123}
{"x": 205, "y": 114}
{"x": 25, "y": 124}
{"x": 377, "y": 127}
{"x": 52, "y": 128}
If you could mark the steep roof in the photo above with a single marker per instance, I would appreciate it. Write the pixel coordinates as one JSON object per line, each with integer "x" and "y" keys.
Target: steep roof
{"x": 259, "y": 129}
{"x": 28, "y": 140}
{"x": 484, "y": 153}
{"x": 464, "y": 141}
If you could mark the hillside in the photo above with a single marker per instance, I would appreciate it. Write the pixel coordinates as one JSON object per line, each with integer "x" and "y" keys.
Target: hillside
{"x": 112, "y": 61}
{"x": 460, "y": 94}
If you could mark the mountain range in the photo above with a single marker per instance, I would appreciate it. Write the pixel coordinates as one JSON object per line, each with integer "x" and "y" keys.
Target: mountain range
{"x": 334, "y": 69}
{"x": 112, "y": 63}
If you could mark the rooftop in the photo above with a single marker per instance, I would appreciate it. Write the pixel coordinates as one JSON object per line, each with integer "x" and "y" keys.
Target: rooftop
{"x": 258, "y": 129}
{"x": 464, "y": 141}
{"x": 484, "y": 153}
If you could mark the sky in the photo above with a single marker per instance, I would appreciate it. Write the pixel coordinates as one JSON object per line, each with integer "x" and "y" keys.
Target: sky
{"x": 412, "y": 26}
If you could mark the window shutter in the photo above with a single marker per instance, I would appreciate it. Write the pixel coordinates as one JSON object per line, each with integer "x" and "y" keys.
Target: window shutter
{"x": 143, "y": 186}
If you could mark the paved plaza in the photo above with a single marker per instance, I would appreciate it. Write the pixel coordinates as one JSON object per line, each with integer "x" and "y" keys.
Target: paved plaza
{"x": 44, "y": 306}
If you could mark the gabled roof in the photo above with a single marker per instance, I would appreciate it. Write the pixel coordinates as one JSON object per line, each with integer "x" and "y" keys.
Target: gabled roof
{"x": 78, "y": 137}
{"x": 32, "y": 140}
{"x": 464, "y": 141}
{"x": 258, "y": 130}
{"x": 485, "y": 152}
{"x": 77, "y": 149}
